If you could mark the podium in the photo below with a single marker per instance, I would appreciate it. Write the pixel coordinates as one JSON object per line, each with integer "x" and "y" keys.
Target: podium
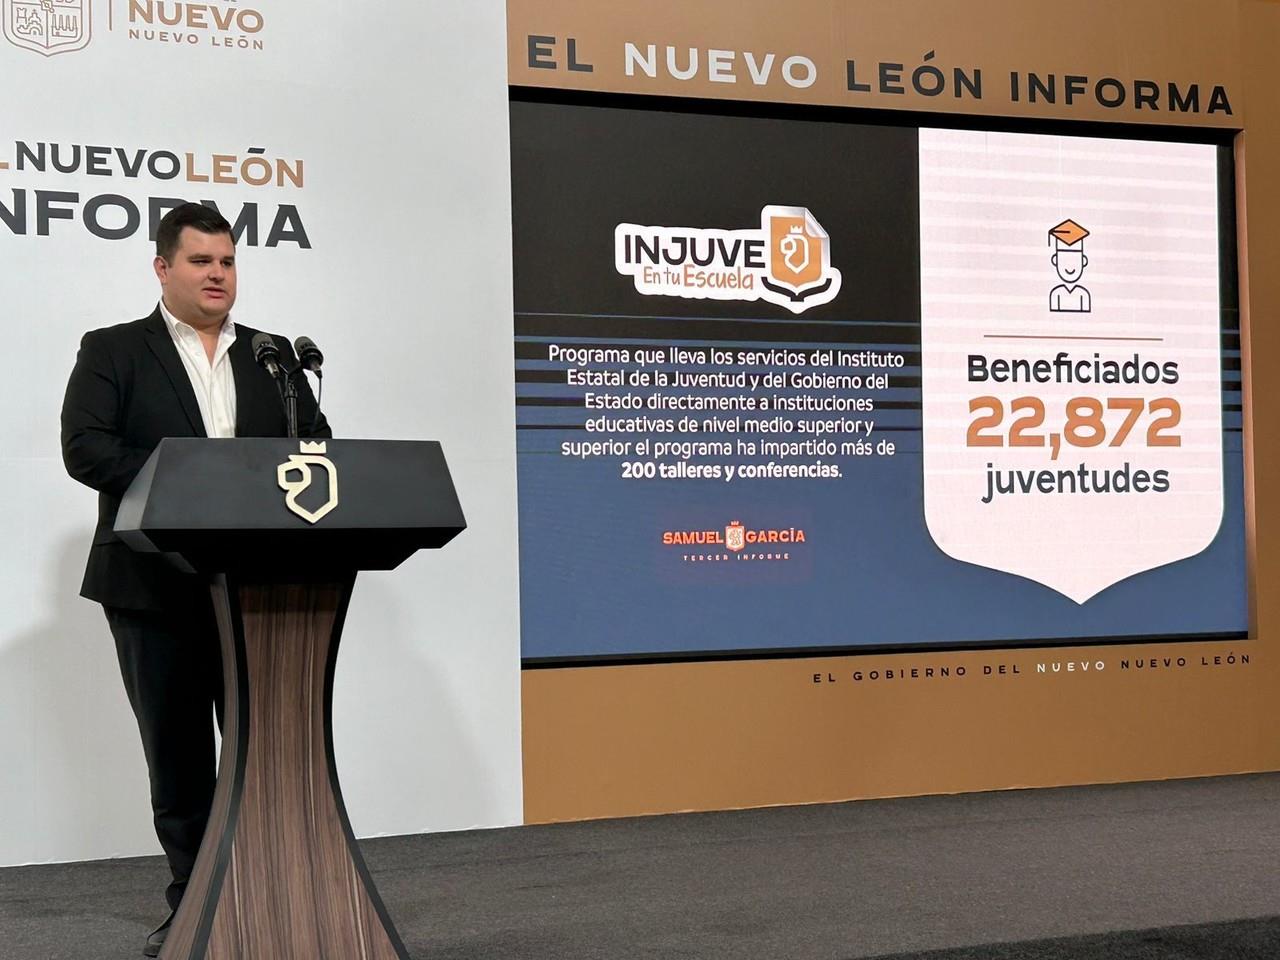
{"x": 281, "y": 527}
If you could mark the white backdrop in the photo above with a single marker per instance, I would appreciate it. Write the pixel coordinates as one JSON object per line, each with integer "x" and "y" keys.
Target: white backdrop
{"x": 398, "y": 112}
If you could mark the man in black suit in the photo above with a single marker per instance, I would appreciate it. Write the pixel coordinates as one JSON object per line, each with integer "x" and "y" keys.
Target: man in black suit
{"x": 184, "y": 371}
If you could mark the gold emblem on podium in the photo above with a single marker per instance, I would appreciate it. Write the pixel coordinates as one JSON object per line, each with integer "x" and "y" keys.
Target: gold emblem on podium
{"x": 311, "y": 455}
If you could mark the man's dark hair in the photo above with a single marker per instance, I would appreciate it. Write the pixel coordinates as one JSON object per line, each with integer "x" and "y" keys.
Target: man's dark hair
{"x": 194, "y": 215}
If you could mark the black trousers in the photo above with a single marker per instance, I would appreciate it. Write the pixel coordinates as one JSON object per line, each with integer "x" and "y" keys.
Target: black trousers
{"x": 172, "y": 671}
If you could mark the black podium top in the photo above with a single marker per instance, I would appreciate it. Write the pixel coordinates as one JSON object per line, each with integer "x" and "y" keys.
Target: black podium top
{"x": 287, "y": 507}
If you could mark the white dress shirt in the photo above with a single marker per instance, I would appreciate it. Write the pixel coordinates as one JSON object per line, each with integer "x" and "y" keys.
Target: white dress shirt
{"x": 214, "y": 386}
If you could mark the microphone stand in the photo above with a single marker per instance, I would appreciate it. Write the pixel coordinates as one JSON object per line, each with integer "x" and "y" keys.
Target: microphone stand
{"x": 284, "y": 378}
{"x": 288, "y": 397}
{"x": 291, "y": 401}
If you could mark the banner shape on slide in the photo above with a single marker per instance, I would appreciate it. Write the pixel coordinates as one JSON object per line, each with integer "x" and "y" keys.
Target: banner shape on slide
{"x": 1070, "y": 332}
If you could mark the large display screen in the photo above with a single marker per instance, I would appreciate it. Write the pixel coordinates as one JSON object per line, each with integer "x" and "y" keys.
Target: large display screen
{"x": 791, "y": 385}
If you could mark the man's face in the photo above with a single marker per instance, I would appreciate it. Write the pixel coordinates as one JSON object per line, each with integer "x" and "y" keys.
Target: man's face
{"x": 1070, "y": 264}
{"x": 199, "y": 286}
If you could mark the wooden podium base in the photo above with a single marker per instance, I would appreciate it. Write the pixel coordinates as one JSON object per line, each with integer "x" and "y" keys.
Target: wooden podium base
{"x": 279, "y": 876}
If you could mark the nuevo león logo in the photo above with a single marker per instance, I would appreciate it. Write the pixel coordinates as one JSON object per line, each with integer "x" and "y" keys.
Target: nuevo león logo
{"x": 48, "y": 27}
{"x": 151, "y": 182}
{"x": 786, "y": 261}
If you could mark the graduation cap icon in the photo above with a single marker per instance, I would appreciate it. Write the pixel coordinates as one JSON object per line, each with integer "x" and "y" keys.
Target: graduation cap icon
{"x": 1069, "y": 260}
{"x": 1067, "y": 234}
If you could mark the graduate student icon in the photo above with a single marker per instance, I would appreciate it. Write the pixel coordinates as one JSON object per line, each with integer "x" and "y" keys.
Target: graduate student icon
{"x": 1067, "y": 239}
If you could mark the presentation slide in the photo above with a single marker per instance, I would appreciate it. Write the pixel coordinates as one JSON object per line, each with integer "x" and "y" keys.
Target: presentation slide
{"x": 792, "y": 384}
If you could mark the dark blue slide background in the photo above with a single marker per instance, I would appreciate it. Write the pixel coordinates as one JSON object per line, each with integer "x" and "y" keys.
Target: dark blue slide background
{"x": 596, "y": 580}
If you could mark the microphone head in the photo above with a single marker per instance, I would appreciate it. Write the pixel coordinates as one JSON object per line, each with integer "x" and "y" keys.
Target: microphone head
{"x": 264, "y": 347}
{"x": 309, "y": 354}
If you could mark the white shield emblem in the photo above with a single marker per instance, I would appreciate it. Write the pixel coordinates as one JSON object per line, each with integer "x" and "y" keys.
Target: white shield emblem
{"x": 48, "y": 27}
{"x": 1074, "y": 449}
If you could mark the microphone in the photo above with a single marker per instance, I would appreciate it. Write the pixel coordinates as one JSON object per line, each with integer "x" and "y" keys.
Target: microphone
{"x": 309, "y": 355}
{"x": 266, "y": 353}
{"x": 310, "y": 358}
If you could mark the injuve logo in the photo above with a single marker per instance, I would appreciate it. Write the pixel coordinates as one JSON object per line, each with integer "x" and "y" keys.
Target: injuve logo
{"x": 787, "y": 261}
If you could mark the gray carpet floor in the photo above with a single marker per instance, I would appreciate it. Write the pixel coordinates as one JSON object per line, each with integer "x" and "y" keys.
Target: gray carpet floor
{"x": 1184, "y": 869}
{"x": 1234, "y": 940}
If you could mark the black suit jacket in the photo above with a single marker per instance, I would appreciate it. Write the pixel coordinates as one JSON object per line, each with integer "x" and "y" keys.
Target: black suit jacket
{"x": 128, "y": 391}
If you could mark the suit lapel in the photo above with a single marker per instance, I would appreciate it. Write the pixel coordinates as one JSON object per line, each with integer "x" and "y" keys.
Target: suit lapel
{"x": 162, "y": 345}
{"x": 242, "y": 370}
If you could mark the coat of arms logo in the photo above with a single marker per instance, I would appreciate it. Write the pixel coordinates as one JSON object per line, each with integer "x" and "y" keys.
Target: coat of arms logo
{"x": 735, "y": 536}
{"x": 48, "y": 27}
